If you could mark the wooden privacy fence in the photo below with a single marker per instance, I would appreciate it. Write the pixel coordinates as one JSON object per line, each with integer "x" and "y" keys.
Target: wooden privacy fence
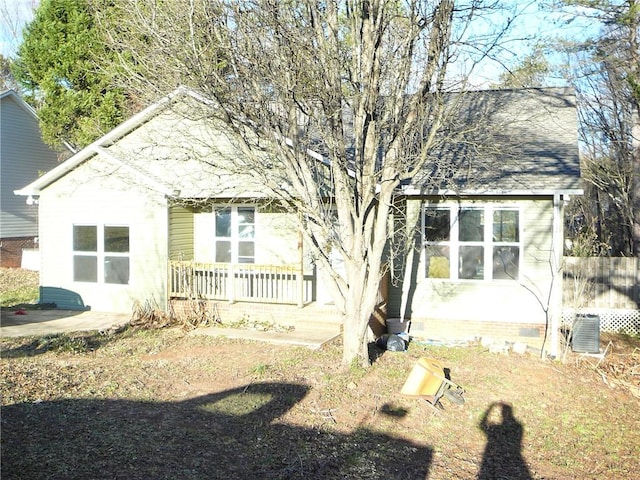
{"x": 240, "y": 282}
{"x": 601, "y": 282}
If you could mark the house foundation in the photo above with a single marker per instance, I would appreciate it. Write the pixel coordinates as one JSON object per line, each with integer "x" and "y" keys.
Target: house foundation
{"x": 311, "y": 315}
{"x": 531, "y": 334}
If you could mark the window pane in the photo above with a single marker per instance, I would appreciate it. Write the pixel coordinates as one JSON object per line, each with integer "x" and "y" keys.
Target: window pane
{"x": 85, "y": 238}
{"x": 116, "y": 239}
{"x": 436, "y": 225}
{"x": 471, "y": 224}
{"x": 85, "y": 268}
{"x": 223, "y": 222}
{"x": 505, "y": 226}
{"x": 438, "y": 263}
{"x": 223, "y": 251}
{"x": 505, "y": 262}
{"x": 471, "y": 263}
{"x": 116, "y": 270}
{"x": 246, "y": 252}
{"x": 247, "y": 231}
{"x": 246, "y": 215}
{"x": 246, "y": 221}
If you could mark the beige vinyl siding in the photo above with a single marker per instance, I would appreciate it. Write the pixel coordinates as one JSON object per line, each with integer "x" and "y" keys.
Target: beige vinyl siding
{"x": 203, "y": 164}
{"x": 276, "y": 238}
{"x": 181, "y": 233}
{"x": 24, "y": 157}
{"x": 92, "y": 196}
{"x": 491, "y": 301}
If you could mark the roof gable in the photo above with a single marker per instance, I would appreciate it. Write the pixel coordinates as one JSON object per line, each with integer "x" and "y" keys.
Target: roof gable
{"x": 107, "y": 140}
{"x": 13, "y": 95}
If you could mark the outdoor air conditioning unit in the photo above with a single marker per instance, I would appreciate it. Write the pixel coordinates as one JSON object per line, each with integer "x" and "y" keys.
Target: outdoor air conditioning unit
{"x": 585, "y": 336}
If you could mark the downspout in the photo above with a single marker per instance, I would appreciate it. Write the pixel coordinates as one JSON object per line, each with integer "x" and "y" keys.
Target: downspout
{"x": 557, "y": 246}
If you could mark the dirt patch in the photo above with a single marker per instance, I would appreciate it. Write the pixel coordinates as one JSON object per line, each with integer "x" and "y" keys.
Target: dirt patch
{"x": 165, "y": 404}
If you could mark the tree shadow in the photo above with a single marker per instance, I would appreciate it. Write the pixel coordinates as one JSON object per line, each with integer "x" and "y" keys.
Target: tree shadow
{"x": 503, "y": 453}
{"x": 73, "y": 342}
{"x": 233, "y": 434}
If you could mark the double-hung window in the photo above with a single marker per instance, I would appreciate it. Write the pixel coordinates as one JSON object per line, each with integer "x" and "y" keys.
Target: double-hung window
{"x": 506, "y": 243}
{"x": 437, "y": 238}
{"x": 101, "y": 252}
{"x": 472, "y": 243}
{"x": 235, "y": 234}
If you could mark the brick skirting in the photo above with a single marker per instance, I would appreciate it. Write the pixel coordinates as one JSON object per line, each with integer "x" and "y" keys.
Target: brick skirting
{"x": 530, "y": 333}
{"x": 11, "y": 250}
{"x": 261, "y": 312}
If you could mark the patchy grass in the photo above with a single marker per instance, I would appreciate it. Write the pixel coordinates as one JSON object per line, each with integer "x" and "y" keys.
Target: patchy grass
{"x": 18, "y": 287}
{"x": 166, "y": 404}
{"x": 142, "y": 404}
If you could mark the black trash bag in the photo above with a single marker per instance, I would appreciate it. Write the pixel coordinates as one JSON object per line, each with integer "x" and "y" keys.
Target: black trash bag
{"x": 392, "y": 342}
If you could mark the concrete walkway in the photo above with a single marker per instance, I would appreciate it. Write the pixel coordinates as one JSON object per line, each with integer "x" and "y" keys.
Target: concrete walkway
{"x": 51, "y": 322}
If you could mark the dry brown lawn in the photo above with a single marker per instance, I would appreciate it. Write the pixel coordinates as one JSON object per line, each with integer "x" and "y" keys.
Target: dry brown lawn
{"x": 165, "y": 404}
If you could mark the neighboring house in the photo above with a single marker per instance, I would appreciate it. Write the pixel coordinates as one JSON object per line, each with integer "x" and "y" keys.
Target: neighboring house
{"x": 23, "y": 158}
{"x": 136, "y": 216}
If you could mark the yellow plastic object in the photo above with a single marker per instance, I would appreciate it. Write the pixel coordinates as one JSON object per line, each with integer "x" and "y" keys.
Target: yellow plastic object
{"x": 426, "y": 380}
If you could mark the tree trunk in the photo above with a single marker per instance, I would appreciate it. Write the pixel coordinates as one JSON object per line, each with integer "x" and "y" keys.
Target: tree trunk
{"x": 359, "y": 306}
{"x": 635, "y": 185}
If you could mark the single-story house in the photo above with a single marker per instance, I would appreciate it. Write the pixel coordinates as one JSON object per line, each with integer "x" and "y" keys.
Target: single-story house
{"x": 138, "y": 216}
{"x": 23, "y": 157}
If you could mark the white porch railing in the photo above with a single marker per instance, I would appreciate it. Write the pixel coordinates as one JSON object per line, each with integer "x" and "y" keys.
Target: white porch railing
{"x": 240, "y": 282}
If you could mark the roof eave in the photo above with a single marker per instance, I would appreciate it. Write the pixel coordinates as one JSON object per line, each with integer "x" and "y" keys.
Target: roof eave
{"x": 412, "y": 191}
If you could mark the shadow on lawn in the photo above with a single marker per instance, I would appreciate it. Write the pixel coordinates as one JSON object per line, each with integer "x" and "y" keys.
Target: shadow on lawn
{"x": 74, "y": 342}
{"x": 232, "y": 434}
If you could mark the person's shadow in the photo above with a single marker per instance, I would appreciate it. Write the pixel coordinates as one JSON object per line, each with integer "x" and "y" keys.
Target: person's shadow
{"x": 503, "y": 454}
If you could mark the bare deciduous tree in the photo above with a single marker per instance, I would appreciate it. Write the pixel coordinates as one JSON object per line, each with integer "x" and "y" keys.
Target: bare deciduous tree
{"x": 360, "y": 83}
{"x": 606, "y": 74}
{"x": 14, "y": 15}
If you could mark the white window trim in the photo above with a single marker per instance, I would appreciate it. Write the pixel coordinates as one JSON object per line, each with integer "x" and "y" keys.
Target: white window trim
{"x": 235, "y": 238}
{"x": 488, "y": 244}
{"x": 100, "y": 253}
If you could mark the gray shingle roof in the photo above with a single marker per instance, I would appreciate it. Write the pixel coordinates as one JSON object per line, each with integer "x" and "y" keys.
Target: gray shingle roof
{"x": 507, "y": 141}
{"x": 497, "y": 142}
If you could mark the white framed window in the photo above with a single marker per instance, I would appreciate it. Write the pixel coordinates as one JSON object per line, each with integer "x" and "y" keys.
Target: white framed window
{"x": 472, "y": 242}
{"x": 101, "y": 252}
{"x": 235, "y": 234}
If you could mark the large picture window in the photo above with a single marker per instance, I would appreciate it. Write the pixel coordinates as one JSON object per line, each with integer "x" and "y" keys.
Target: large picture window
{"x": 472, "y": 243}
{"x": 101, "y": 252}
{"x": 235, "y": 234}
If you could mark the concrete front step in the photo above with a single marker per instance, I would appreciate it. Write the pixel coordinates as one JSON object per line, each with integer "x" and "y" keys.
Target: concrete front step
{"x": 311, "y": 338}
